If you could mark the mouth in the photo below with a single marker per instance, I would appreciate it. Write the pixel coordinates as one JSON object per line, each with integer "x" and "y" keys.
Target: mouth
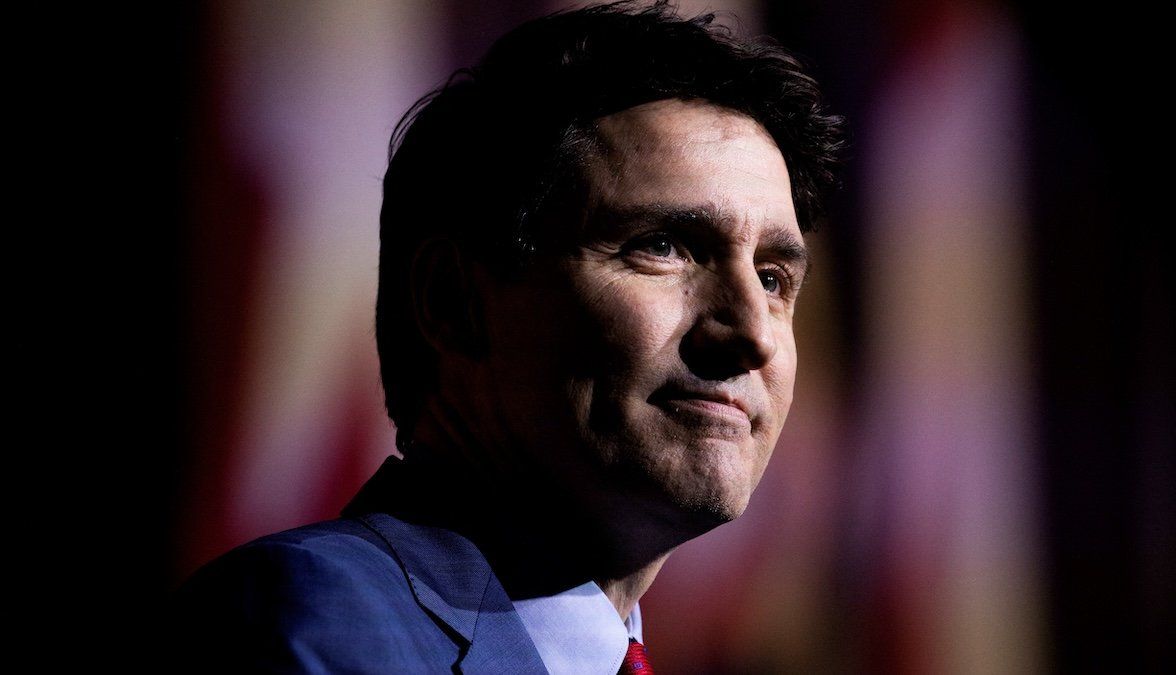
{"x": 702, "y": 406}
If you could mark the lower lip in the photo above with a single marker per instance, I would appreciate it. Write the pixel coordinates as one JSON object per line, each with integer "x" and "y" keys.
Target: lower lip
{"x": 707, "y": 408}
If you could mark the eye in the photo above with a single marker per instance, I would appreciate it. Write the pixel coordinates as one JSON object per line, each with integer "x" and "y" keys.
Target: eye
{"x": 659, "y": 244}
{"x": 774, "y": 281}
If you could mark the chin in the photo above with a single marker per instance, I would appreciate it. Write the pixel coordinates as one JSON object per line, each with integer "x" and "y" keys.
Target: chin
{"x": 711, "y": 510}
{"x": 687, "y": 481}
{"x": 703, "y": 506}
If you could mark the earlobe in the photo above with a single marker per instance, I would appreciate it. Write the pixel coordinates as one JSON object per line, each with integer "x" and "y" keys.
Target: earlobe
{"x": 445, "y": 299}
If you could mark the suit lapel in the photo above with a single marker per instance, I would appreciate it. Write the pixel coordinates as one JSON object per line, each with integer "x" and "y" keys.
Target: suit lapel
{"x": 501, "y": 642}
{"x": 451, "y": 579}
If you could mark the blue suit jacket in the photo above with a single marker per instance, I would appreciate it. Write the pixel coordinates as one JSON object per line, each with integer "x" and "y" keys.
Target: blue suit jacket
{"x": 364, "y": 594}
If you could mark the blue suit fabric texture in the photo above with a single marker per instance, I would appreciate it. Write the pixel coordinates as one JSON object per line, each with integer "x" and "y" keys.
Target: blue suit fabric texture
{"x": 366, "y": 593}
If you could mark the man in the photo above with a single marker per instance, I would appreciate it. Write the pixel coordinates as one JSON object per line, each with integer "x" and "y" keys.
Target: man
{"x": 591, "y": 249}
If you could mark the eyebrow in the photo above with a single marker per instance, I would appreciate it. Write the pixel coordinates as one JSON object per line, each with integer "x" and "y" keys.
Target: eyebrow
{"x": 777, "y": 242}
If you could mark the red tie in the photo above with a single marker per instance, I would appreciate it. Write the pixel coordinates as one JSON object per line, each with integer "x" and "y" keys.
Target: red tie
{"x": 636, "y": 661}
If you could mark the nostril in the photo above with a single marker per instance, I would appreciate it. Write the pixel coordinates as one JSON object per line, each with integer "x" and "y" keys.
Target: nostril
{"x": 710, "y": 364}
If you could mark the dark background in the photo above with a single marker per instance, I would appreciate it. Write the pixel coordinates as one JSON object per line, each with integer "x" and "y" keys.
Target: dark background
{"x": 129, "y": 283}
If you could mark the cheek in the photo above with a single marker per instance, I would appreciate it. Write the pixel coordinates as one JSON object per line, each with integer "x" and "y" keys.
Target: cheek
{"x": 638, "y": 324}
{"x": 780, "y": 377}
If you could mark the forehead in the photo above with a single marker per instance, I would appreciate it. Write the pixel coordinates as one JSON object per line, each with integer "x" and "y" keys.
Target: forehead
{"x": 675, "y": 153}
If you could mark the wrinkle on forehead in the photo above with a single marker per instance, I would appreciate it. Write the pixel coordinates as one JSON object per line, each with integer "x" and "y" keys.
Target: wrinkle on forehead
{"x": 641, "y": 125}
{"x": 651, "y": 145}
{"x": 662, "y": 133}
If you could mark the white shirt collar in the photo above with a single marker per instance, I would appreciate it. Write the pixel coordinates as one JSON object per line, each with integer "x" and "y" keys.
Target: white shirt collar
{"x": 578, "y": 630}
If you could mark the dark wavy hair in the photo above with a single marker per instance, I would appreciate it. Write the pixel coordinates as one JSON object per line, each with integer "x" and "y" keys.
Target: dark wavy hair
{"x": 480, "y": 160}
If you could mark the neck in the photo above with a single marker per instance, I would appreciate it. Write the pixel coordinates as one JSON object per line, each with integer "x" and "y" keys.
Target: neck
{"x": 625, "y": 591}
{"x": 536, "y": 538}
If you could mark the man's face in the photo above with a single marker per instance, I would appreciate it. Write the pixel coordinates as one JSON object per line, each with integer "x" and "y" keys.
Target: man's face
{"x": 647, "y": 366}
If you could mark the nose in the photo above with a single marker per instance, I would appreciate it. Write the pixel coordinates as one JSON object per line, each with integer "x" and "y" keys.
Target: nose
{"x": 733, "y": 332}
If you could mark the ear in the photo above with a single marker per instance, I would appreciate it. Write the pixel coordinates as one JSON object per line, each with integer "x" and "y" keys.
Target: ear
{"x": 445, "y": 299}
